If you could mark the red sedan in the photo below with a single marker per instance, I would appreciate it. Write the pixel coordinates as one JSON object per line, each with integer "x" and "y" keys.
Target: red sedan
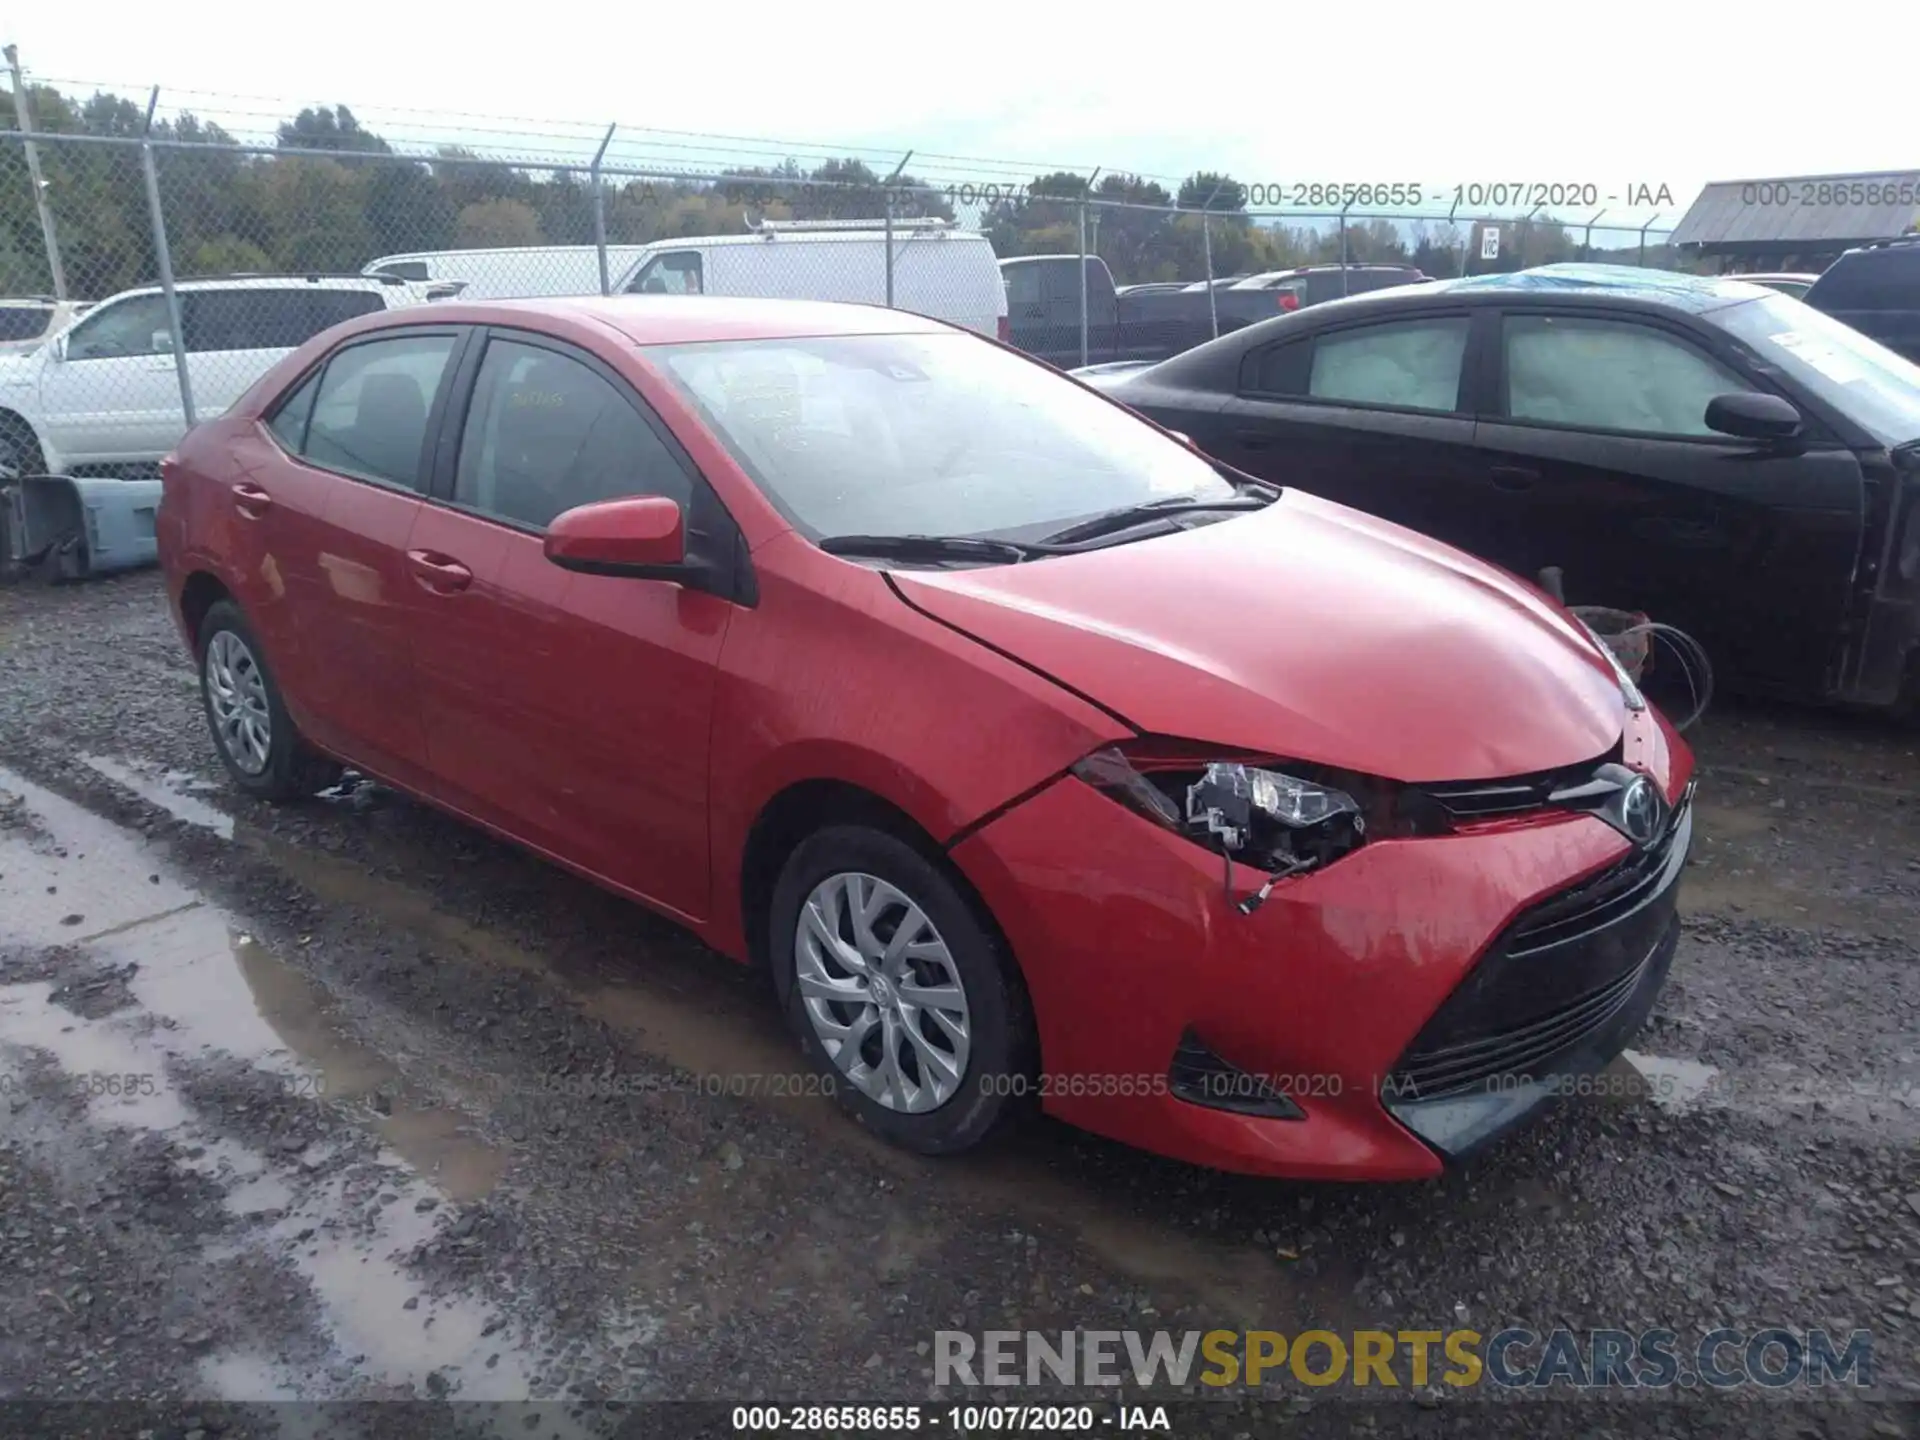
{"x": 1035, "y": 754}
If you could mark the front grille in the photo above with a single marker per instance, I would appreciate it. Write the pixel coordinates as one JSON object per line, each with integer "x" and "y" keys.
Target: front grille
{"x": 1561, "y": 972}
{"x": 1516, "y": 1053}
{"x": 1598, "y": 902}
{"x": 1470, "y": 800}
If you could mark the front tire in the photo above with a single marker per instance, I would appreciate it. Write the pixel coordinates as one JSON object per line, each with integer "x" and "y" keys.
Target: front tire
{"x": 246, "y": 717}
{"x": 897, "y": 991}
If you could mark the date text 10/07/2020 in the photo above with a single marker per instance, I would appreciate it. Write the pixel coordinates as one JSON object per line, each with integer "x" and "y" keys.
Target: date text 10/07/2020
{"x": 953, "y": 1419}
{"x": 1311, "y": 194}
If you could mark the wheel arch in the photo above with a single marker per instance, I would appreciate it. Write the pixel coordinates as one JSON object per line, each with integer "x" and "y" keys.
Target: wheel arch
{"x": 199, "y": 593}
{"x": 807, "y": 806}
{"x": 789, "y": 817}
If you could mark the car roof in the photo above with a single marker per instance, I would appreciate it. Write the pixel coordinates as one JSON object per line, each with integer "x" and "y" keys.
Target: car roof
{"x": 1695, "y": 293}
{"x": 282, "y": 282}
{"x": 675, "y": 319}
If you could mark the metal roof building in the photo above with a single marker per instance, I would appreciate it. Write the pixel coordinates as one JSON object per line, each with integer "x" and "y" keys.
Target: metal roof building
{"x": 1799, "y": 215}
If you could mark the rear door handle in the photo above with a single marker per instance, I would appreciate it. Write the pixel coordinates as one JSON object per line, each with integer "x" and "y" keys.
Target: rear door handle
{"x": 439, "y": 573}
{"x": 1513, "y": 477}
{"x": 251, "y": 500}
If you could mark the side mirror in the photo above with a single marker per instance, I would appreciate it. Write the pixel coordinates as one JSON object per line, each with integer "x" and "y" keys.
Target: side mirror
{"x": 644, "y": 538}
{"x": 57, "y": 349}
{"x": 1751, "y": 415}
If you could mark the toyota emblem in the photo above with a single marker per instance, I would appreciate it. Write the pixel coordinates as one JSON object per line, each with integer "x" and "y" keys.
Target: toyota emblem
{"x": 1640, "y": 811}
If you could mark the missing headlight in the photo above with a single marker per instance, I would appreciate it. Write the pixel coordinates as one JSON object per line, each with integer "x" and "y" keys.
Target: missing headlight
{"x": 1282, "y": 823}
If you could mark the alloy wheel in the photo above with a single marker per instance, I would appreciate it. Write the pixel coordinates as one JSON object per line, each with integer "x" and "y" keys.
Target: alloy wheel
{"x": 237, "y": 699}
{"x": 882, "y": 992}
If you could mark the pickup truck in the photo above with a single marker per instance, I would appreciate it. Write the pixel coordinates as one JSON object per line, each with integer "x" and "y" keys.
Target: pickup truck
{"x": 1143, "y": 324}
{"x": 1148, "y": 322}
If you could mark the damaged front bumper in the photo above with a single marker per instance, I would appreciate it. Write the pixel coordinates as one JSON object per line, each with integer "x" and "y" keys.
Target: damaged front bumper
{"x": 1273, "y": 1043}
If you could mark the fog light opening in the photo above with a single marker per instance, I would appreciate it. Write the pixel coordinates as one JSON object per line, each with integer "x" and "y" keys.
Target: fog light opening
{"x": 1200, "y": 1077}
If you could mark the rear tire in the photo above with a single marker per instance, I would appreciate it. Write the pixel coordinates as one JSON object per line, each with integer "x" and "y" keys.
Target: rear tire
{"x": 248, "y": 721}
{"x": 897, "y": 991}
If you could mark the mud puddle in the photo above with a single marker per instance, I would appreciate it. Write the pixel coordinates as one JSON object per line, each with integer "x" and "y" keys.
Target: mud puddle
{"x": 164, "y": 1015}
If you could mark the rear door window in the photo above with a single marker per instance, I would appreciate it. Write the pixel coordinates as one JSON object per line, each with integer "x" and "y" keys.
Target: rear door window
{"x": 1407, "y": 364}
{"x": 370, "y": 411}
{"x": 326, "y": 308}
{"x": 266, "y": 319}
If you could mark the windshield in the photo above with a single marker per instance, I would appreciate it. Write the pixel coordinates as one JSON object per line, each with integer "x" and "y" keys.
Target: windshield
{"x": 1878, "y": 389}
{"x": 927, "y": 435}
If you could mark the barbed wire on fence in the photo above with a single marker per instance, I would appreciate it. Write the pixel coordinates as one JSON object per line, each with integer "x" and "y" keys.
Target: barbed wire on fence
{"x": 207, "y": 257}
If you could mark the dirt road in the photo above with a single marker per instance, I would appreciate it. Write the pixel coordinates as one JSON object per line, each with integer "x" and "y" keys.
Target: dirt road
{"x": 350, "y": 1102}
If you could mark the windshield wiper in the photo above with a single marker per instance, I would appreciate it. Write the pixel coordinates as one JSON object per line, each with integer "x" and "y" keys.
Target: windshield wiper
{"x": 932, "y": 547}
{"x": 1250, "y": 498}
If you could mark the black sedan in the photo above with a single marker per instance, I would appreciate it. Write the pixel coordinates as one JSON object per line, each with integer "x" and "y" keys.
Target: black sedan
{"x": 1715, "y": 454}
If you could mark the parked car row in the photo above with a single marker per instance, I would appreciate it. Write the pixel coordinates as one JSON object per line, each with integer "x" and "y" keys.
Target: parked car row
{"x": 1012, "y": 734}
{"x": 1706, "y": 451}
{"x": 102, "y": 396}
{"x": 1141, "y": 324}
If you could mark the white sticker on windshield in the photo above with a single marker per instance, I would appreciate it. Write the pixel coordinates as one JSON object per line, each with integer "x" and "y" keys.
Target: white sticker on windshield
{"x": 1822, "y": 355}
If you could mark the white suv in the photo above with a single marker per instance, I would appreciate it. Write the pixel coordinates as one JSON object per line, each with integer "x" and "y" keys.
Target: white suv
{"x": 103, "y": 395}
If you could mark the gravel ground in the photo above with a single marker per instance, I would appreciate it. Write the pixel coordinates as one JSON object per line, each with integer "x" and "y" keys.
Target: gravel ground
{"x": 277, "y": 1123}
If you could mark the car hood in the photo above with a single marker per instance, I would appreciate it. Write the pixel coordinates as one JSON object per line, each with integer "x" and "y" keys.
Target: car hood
{"x": 1305, "y": 630}
{"x": 20, "y": 367}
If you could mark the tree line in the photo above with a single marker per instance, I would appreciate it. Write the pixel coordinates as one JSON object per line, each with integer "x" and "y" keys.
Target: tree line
{"x": 231, "y": 210}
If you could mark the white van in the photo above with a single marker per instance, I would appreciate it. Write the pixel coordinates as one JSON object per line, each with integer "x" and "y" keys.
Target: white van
{"x": 938, "y": 271}
{"x": 512, "y": 273}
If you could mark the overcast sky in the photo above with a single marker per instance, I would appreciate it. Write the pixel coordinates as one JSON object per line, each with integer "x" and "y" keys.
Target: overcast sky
{"x": 1437, "y": 95}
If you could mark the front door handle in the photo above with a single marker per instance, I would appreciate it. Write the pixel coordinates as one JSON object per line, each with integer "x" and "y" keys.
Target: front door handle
{"x": 251, "y": 501}
{"x": 439, "y": 573}
{"x": 1513, "y": 477}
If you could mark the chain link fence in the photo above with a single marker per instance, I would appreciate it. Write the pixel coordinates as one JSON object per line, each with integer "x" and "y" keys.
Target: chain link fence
{"x": 200, "y": 262}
